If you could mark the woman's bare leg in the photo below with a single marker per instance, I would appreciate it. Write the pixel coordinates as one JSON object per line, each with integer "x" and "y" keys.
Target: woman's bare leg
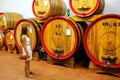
{"x": 26, "y": 68}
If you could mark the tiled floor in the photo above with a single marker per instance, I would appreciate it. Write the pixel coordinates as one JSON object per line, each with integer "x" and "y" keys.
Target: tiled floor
{"x": 11, "y": 68}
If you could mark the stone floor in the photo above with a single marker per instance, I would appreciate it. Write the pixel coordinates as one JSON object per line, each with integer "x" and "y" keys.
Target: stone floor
{"x": 11, "y": 68}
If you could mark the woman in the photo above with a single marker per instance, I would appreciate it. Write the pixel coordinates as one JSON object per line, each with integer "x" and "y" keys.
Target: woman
{"x": 26, "y": 50}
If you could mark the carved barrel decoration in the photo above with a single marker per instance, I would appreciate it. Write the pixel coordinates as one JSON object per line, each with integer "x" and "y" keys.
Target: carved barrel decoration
{"x": 61, "y": 37}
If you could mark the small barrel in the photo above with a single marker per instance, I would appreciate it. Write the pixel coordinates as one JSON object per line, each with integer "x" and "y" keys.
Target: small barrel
{"x": 8, "y": 20}
{"x": 34, "y": 25}
{"x": 61, "y": 37}
{"x": 9, "y": 40}
{"x": 46, "y": 8}
{"x": 1, "y": 38}
{"x": 102, "y": 41}
{"x": 85, "y": 8}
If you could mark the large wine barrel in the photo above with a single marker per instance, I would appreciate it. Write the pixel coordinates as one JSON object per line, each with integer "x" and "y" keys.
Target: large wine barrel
{"x": 34, "y": 26}
{"x": 61, "y": 37}
{"x": 102, "y": 41}
{"x": 46, "y": 8}
{"x": 84, "y": 8}
{"x": 9, "y": 40}
{"x": 8, "y": 20}
{"x": 1, "y": 38}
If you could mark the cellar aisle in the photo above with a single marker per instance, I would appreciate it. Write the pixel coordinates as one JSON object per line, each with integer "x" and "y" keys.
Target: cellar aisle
{"x": 11, "y": 68}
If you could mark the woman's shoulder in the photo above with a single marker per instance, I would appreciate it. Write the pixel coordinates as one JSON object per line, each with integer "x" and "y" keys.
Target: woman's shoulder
{"x": 24, "y": 36}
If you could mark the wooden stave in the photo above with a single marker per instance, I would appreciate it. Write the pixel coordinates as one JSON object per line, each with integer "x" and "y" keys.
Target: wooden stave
{"x": 101, "y": 7}
{"x": 2, "y": 36}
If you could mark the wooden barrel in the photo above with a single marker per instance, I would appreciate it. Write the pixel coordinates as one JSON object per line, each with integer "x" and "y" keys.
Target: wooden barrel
{"x": 84, "y": 8}
{"x": 8, "y": 20}
{"x": 9, "y": 40}
{"x": 102, "y": 41}
{"x": 46, "y": 8}
{"x": 61, "y": 37}
{"x": 1, "y": 38}
{"x": 34, "y": 26}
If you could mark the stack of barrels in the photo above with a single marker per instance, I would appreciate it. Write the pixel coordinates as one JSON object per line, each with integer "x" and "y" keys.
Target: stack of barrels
{"x": 8, "y": 21}
{"x": 101, "y": 37}
{"x": 61, "y": 36}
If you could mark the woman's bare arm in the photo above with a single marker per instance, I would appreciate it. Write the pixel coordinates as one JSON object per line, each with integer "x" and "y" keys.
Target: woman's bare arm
{"x": 24, "y": 42}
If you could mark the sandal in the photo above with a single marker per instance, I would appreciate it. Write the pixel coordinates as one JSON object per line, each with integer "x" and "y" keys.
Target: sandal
{"x": 29, "y": 76}
{"x": 30, "y": 72}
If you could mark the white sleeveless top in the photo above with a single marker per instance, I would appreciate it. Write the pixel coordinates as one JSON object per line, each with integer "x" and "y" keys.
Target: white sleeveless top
{"x": 28, "y": 47}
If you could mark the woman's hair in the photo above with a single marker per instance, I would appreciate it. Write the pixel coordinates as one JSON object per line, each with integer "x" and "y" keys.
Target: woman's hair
{"x": 24, "y": 30}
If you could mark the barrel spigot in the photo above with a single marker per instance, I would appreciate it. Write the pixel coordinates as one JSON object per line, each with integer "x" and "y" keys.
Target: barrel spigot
{"x": 109, "y": 60}
{"x": 58, "y": 52}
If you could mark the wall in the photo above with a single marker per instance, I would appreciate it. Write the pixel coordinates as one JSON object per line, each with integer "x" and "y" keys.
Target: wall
{"x": 25, "y": 7}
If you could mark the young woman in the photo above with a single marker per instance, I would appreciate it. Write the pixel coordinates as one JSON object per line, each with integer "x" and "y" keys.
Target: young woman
{"x": 26, "y": 50}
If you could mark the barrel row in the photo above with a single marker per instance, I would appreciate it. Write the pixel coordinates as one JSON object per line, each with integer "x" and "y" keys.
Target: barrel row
{"x": 62, "y": 37}
{"x": 11, "y": 38}
{"x": 44, "y": 9}
{"x": 8, "y": 21}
